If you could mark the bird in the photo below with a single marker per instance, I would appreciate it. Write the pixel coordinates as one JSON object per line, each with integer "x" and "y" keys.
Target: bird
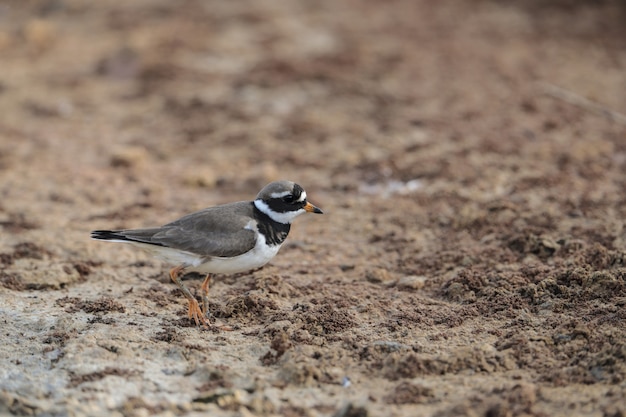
{"x": 224, "y": 239}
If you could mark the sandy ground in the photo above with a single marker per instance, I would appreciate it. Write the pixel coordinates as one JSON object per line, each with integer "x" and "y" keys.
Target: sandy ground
{"x": 469, "y": 156}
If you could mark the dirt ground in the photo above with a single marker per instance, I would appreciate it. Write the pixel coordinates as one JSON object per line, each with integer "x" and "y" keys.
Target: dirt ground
{"x": 469, "y": 157}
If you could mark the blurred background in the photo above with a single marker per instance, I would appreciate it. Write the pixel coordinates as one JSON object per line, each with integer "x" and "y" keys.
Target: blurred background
{"x": 162, "y": 95}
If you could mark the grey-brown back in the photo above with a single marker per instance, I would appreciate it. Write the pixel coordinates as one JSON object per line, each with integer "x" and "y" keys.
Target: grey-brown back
{"x": 215, "y": 231}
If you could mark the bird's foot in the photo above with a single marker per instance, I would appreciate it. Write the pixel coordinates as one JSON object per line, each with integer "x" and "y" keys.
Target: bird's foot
{"x": 196, "y": 313}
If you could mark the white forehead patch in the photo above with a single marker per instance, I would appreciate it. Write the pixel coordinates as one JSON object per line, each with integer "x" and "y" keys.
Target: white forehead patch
{"x": 302, "y": 196}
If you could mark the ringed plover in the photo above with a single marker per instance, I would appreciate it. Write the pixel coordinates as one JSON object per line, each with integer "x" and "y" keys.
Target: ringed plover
{"x": 224, "y": 239}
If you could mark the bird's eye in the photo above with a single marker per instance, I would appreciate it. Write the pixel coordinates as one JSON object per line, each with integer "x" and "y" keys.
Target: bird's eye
{"x": 289, "y": 198}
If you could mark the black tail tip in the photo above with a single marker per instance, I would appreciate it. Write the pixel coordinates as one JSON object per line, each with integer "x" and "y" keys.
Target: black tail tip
{"x": 104, "y": 234}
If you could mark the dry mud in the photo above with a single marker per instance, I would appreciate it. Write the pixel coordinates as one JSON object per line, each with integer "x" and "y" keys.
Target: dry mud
{"x": 469, "y": 156}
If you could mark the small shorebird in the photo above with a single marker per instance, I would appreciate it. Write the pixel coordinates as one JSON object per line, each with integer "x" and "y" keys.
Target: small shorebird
{"x": 224, "y": 239}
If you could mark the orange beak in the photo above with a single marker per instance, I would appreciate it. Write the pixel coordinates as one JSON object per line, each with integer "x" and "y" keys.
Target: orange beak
{"x": 312, "y": 209}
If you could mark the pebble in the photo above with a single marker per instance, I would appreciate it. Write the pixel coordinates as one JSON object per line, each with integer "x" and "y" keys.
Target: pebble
{"x": 379, "y": 276}
{"x": 128, "y": 156}
{"x": 412, "y": 282}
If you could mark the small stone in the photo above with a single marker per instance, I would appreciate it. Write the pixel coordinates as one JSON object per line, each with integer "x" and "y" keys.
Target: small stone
{"x": 412, "y": 282}
{"x": 379, "y": 276}
{"x": 129, "y": 156}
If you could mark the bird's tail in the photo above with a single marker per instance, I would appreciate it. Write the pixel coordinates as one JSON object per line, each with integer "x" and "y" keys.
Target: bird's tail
{"x": 108, "y": 235}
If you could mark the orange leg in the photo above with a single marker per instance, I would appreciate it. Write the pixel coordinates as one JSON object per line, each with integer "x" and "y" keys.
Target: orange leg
{"x": 195, "y": 312}
{"x": 205, "y": 295}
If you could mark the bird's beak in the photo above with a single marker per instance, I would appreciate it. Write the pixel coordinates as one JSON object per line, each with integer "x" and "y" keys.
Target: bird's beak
{"x": 312, "y": 209}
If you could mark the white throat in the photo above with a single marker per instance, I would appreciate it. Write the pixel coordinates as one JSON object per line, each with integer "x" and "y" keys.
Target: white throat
{"x": 285, "y": 218}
